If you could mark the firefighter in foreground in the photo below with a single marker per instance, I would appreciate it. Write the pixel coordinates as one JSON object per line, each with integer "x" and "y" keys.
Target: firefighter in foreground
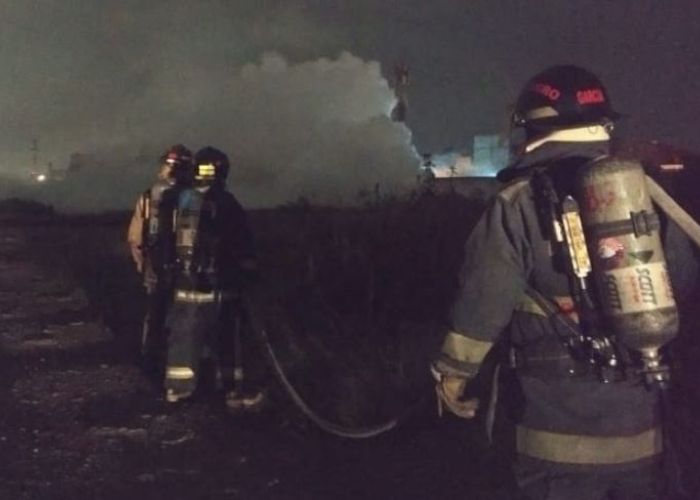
{"x": 588, "y": 424}
{"x": 151, "y": 239}
{"x": 215, "y": 260}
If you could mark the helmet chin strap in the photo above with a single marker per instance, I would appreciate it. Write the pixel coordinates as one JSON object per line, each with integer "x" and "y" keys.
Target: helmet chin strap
{"x": 589, "y": 133}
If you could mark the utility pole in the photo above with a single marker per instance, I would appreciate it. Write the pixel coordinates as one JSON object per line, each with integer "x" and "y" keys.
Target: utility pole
{"x": 35, "y": 153}
{"x": 398, "y": 114}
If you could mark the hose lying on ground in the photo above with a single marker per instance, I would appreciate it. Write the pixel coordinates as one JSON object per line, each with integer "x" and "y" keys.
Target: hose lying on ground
{"x": 321, "y": 422}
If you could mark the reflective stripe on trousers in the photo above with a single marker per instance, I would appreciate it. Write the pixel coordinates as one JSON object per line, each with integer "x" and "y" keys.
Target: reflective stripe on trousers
{"x": 202, "y": 297}
{"x": 179, "y": 373}
{"x": 589, "y": 450}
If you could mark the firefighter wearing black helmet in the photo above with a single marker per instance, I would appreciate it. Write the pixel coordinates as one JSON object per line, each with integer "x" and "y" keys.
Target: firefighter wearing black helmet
{"x": 215, "y": 260}
{"x": 150, "y": 237}
{"x": 581, "y": 432}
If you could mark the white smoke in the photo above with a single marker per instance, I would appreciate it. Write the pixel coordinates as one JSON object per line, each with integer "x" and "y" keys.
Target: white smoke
{"x": 315, "y": 129}
{"x": 318, "y": 129}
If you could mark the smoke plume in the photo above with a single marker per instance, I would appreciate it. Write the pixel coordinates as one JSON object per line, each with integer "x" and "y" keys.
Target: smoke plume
{"x": 315, "y": 129}
{"x": 120, "y": 81}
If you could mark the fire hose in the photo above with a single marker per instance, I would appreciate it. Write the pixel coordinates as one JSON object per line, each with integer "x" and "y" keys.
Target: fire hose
{"x": 674, "y": 211}
{"x": 359, "y": 432}
{"x": 260, "y": 329}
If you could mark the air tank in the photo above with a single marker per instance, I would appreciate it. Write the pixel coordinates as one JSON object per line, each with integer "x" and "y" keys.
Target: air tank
{"x": 628, "y": 263}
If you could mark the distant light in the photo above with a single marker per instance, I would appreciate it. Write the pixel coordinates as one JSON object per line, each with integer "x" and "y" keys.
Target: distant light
{"x": 41, "y": 178}
{"x": 671, "y": 167}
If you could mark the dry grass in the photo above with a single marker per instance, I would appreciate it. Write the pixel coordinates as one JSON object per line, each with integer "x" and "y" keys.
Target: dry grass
{"x": 353, "y": 297}
{"x": 359, "y": 297}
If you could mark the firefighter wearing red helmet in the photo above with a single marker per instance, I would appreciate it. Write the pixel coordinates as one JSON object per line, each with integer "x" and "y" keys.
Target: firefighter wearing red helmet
{"x": 586, "y": 427}
{"x": 563, "y": 97}
{"x": 214, "y": 263}
{"x": 150, "y": 237}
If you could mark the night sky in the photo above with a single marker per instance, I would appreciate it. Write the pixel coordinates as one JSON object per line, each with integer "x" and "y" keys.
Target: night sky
{"x": 469, "y": 59}
{"x": 283, "y": 86}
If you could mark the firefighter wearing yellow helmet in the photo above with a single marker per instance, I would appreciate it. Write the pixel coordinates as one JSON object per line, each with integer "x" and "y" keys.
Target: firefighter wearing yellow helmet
{"x": 587, "y": 424}
{"x": 214, "y": 262}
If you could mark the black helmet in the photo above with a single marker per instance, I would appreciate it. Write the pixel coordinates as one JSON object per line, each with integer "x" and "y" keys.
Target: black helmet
{"x": 563, "y": 97}
{"x": 210, "y": 166}
{"x": 175, "y": 163}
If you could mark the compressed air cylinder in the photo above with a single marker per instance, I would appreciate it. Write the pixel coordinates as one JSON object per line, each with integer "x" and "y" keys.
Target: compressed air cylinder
{"x": 629, "y": 267}
{"x": 187, "y": 234}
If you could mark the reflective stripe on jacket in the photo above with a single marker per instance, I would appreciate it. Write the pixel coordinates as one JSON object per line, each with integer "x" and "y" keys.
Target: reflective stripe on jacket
{"x": 588, "y": 450}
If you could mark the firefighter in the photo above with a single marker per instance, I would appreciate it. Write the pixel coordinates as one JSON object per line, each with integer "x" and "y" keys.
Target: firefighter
{"x": 582, "y": 431}
{"x": 215, "y": 261}
{"x": 150, "y": 237}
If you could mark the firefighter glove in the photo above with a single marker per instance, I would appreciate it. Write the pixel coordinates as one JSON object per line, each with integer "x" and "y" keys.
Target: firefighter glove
{"x": 450, "y": 396}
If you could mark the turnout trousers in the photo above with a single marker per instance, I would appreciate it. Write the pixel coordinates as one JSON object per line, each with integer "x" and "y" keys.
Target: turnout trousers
{"x": 202, "y": 330}
{"x": 154, "y": 335}
{"x": 542, "y": 481}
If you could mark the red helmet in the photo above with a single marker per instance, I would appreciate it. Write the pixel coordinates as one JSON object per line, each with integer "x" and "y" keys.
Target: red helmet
{"x": 563, "y": 97}
{"x": 176, "y": 164}
{"x": 177, "y": 154}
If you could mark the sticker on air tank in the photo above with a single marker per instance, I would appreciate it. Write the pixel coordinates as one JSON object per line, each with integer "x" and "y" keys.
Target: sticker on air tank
{"x": 611, "y": 252}
{"x": 637, "y": 289}
{"x": 599, "y": 196}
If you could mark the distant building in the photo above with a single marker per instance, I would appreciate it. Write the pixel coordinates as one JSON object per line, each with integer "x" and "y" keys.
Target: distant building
{"x": 490, "y": 153}
{"x": 49, "y": 174}
{"x": 472, "y": 175}
{"x": 76, "y": 163}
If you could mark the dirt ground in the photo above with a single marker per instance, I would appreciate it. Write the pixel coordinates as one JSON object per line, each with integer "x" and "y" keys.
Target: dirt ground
{"x": 80, "y": 420}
